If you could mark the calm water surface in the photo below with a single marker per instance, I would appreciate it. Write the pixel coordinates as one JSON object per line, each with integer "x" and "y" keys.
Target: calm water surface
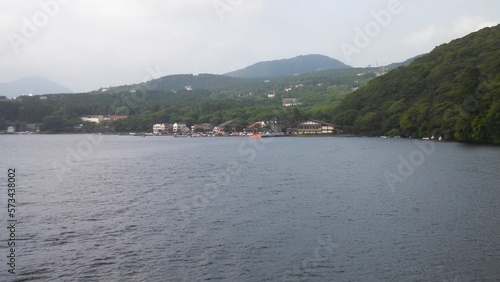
{"x": 123, "y": 208}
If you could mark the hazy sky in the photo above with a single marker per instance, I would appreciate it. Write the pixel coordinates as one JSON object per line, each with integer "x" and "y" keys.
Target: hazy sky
{"x": 88, "y": 44}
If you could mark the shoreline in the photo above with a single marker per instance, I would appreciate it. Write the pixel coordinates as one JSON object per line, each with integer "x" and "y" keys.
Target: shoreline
{"x": 247, "y": 136}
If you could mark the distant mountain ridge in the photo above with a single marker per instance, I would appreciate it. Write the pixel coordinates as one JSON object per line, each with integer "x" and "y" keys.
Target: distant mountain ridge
{"x": 285, "y": 67}
{"x": 404, "y": 63}
{"x": 226, "y": 82}
{"x": 31, "y": 85}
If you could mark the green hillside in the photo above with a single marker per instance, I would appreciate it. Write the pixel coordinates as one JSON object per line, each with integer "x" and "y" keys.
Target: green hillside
{"x": 286, "y": 67}
{"x": 212, "y": 98}
{"x": 181, "y": 81}
{"x": 453, "y": 92}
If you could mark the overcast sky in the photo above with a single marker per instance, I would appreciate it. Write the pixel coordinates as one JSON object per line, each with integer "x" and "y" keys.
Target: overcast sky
{"x": 88, "y": 44}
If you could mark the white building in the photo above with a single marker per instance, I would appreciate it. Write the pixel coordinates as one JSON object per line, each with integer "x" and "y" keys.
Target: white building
{"x": 180, "y": 128}
{"x": 287, "y": 102}
{"x": 315, "y": 127}
{"x": 160, "y": 128}
{"x": 11, "y": 129}
{"x": 96, "y": 119}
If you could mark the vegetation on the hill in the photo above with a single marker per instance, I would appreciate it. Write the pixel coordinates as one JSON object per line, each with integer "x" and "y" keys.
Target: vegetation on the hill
{"x": 452, "y": 92}
{"x": 286, "y": 67}
{"x": 213, "y": 98}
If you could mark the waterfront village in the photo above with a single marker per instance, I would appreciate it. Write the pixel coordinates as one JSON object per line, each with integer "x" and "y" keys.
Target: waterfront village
{"x": 259, "y": 128}
{"x": 271, "y": 127}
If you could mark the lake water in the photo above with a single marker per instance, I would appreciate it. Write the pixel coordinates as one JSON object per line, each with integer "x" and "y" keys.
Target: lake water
{"x": 124, "y": 208}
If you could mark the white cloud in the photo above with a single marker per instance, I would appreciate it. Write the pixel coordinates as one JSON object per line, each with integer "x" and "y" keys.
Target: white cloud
{"x": 92, "y": 43}
{"x": 423, "y": 37}
{"x": 427, "y": 38}
{"x": 468, "y": 24}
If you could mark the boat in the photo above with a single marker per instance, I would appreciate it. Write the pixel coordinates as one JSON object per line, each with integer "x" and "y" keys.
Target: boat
{"x": 255, "y": 136}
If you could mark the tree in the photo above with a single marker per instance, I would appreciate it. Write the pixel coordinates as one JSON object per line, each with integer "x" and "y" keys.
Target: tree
{"x": 3, "y": 124}
{"x": 52, "y": 124}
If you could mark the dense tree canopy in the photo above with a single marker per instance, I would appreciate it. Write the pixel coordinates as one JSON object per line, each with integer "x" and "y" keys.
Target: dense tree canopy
{"x": 453, "y": 92}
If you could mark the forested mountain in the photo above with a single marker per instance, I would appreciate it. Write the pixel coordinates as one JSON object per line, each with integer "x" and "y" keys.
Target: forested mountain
{"x": 453, "y": 92}
{"x": 182, "y": 82}
{"x": 215, "y": 82}
{"x": 211, "y": 98}
{"x": 402, "y": 64}
{"x": 285, "y": 67}
{"x": 31, "y": 85}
